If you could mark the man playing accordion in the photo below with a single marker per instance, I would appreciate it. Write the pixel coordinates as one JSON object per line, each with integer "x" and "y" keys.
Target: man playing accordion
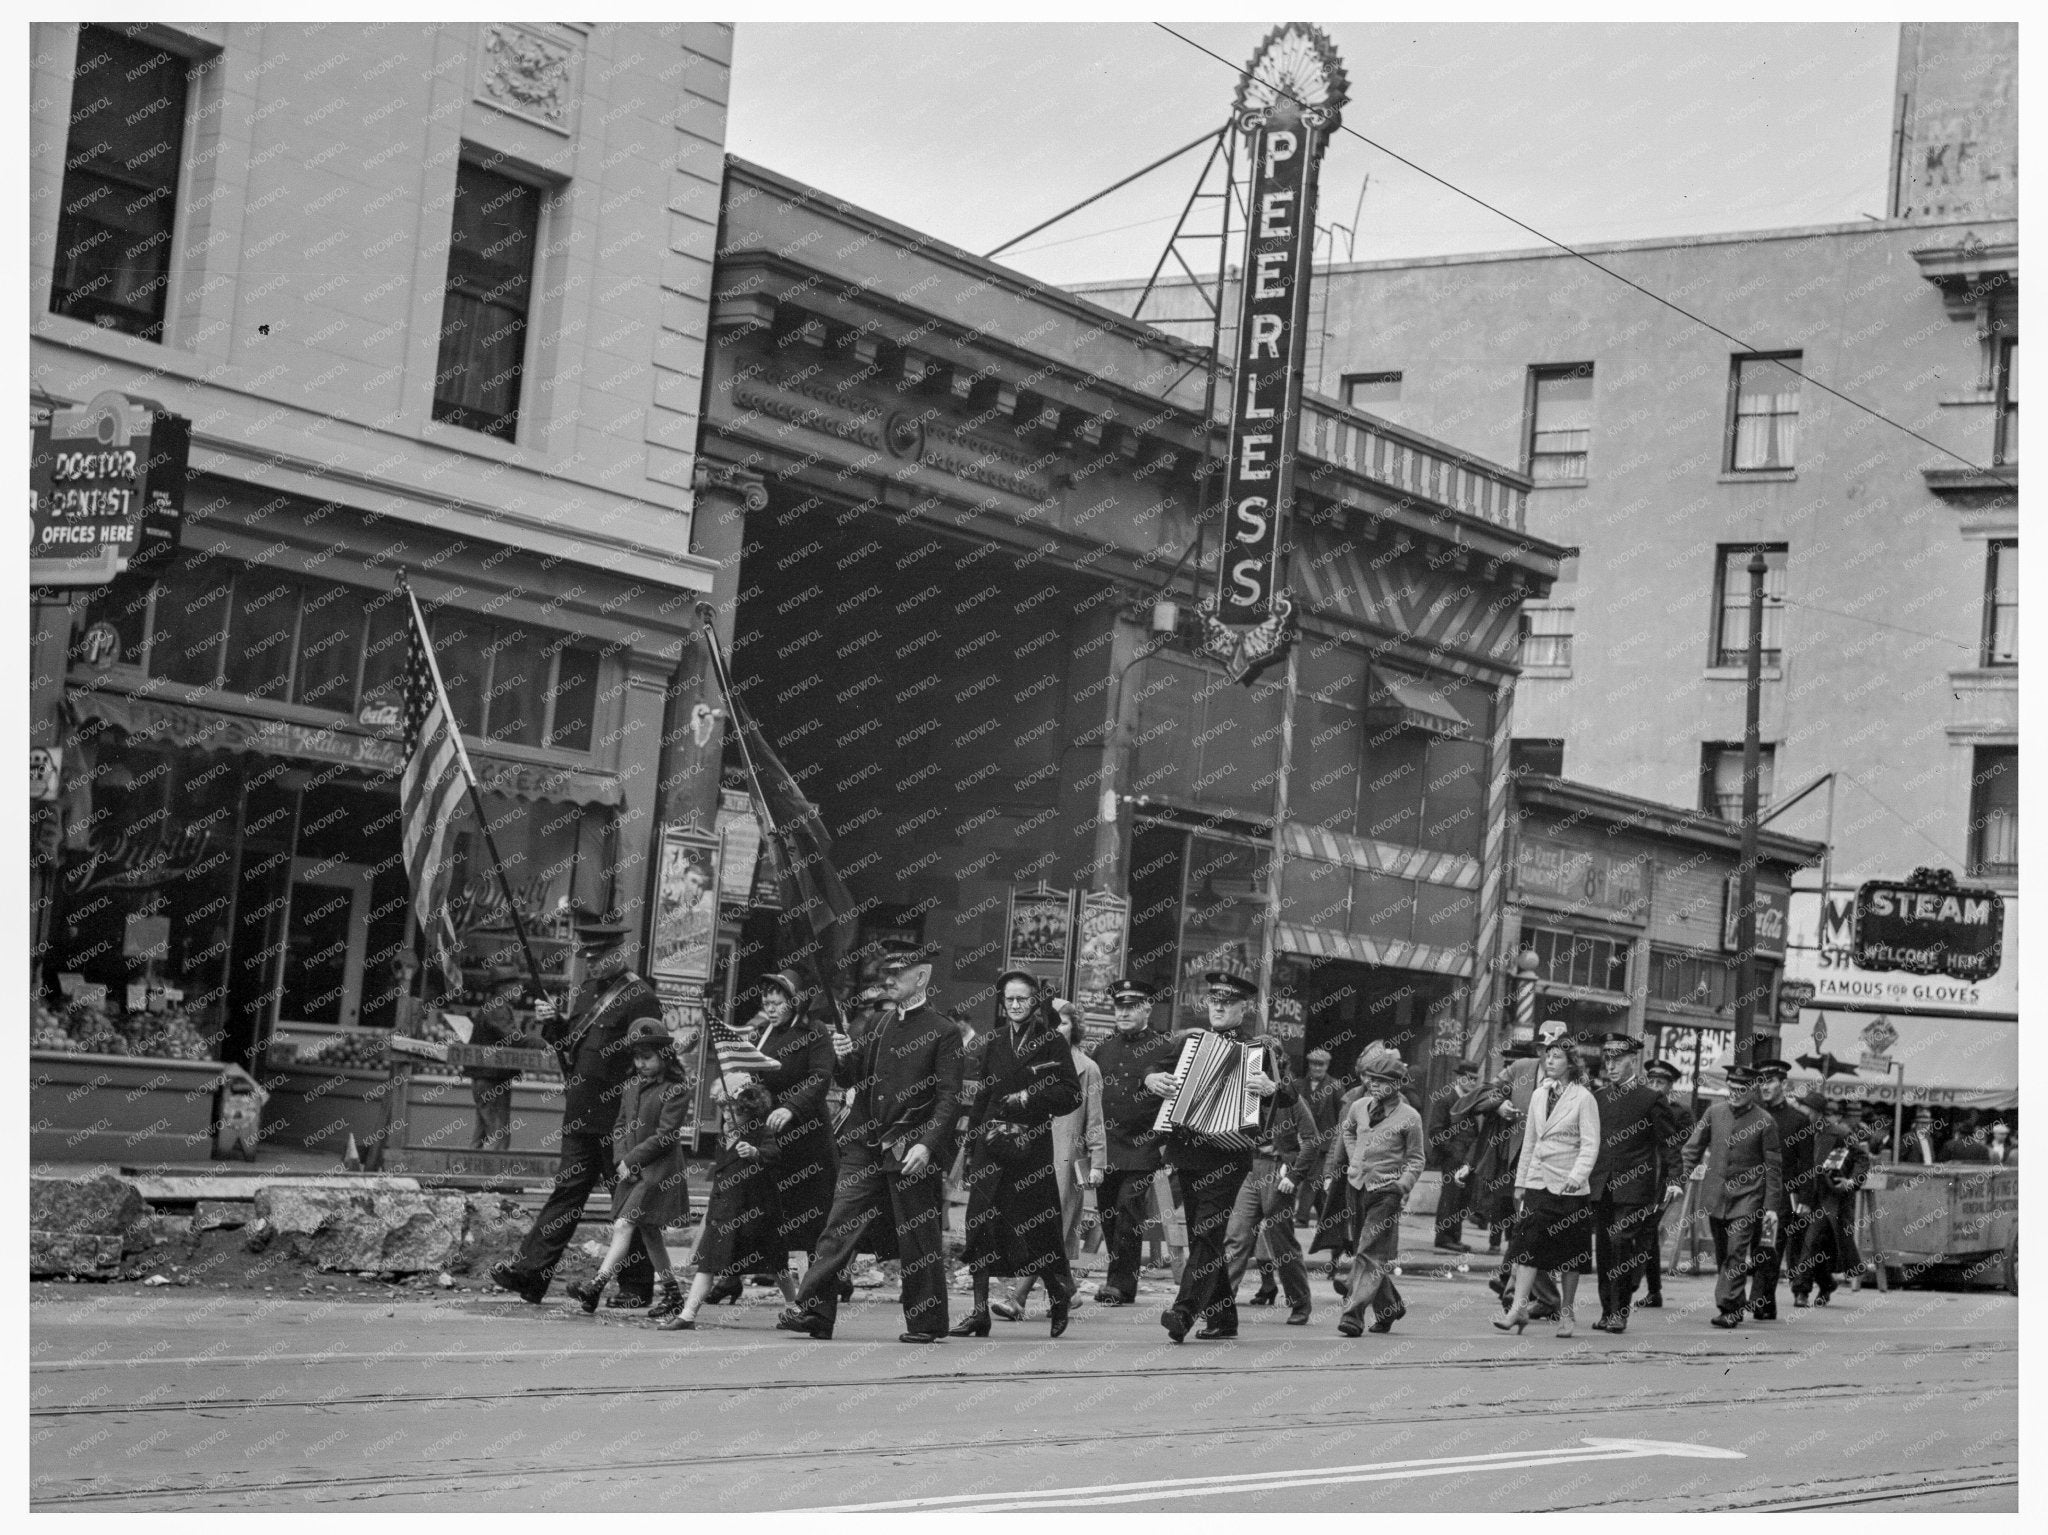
{"x": 1211, "y": 1152}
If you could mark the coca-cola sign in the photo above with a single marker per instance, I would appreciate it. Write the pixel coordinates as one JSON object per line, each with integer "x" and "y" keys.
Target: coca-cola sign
{"x": 1929, "y": 925}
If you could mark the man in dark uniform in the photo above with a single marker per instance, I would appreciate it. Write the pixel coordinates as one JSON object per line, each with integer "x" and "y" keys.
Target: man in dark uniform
{"x": 902, "y": 1075}
{"x": 1744, "y": 1182}
{"x": 1207, "y": 1176}
{"x": 589, "y": 1038}
{"x": 1796, "y": 1128}
{"x": 1840, "y": 1164}
{"x": 1662, "y": 1077}
{"x": 1323, "y": 1095}
{"x": 1635, "y": 1122}
{"x": 1264, "y": 1208}
{"x": 1449, "y": 1137}
{"x": 1125, "y": 1059}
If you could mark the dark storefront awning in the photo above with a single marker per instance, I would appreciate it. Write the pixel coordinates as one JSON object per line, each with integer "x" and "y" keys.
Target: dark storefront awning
{"x": 1399, "y": 698}
{"x": 190, "y": 725}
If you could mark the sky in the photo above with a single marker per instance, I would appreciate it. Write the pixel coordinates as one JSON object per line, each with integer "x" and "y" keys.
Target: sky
{"x": 1587, "y": 132}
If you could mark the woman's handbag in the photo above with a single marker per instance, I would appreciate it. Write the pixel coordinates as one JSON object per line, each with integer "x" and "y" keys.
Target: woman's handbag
{"x": 1006, "y": 1143}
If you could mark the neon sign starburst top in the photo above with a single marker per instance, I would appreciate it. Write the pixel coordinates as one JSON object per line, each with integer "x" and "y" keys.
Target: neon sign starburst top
{"x": 1296, "y": 65}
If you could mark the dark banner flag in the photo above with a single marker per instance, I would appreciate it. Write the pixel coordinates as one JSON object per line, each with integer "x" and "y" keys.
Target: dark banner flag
{"x": 1287, "y": 107}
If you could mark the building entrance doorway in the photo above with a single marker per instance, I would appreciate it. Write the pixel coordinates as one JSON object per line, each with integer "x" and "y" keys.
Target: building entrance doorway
{"x": 322, "y": 978}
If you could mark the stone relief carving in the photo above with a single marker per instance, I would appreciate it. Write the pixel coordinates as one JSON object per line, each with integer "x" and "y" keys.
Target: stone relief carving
{"x": 526, "y": 73}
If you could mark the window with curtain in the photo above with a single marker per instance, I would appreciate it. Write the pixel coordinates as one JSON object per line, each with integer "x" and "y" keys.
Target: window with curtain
{"x": 120, "y": 194}
{"x": 2002, "y": 604}
{"x": 1995, "y": 813}
{"x": 484, "y": 308}
{"x": 1546, "y": 637}
{"x": 1561, "y": 422}
{"x": 1721, "y": 778}
{"x": 1765, "y": 430}
{"x": 1731, "y": 636}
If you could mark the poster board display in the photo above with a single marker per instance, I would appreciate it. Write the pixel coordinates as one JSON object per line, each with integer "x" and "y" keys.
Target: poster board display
{"x": 685, "y": 915}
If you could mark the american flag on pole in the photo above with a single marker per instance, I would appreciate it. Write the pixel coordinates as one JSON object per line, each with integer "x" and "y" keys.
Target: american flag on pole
{"x": 430, "y": 792}
{"x": 736, "y": 1053}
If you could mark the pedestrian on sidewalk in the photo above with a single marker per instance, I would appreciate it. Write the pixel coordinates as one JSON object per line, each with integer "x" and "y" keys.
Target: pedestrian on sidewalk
{"x": 1840, "y": 1164}
{"x": 652, "y": 1192}
{"x": 1384, "y": 1150}
{"x": 1129, "y": 1055}
{"x": 1738, "y": 1143}
{"x": 743, "y": 1222}
{"x": 1014, "y": 1226}
{"x": 1451, "y": 1136}
{"x": 1323, "y": 1096}
{"x": 806, "y": 1165}
{"x": 1553, "y": 1232}
{"x": 589, "y": 1038}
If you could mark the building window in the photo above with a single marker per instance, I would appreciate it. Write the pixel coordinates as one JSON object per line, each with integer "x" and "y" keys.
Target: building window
{"x": 1679, "y": 979}
{"x": 1580, "y": 959}
{"x": 2002, "y": 604}
{"x": 120, "y": 192}
{"x": 1731, "y": 604}
{"x": 484, "y": 310}
{"x": 1372, "y": 391}
{"x": 1560, "y": 422}
{"x": 1546, "y": 637}
{"x": 1545, "y": 756}
{"x": 2007, "y": 449}
{"x": 1721, "y": 778}
{"x": 1995, "y": 813}
{"x": 1764, "y": 420}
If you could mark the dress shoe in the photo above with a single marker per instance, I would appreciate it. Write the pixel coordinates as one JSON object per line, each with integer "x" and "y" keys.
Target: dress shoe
{"x": 1215, "y": 1330}
{"x": 1651, "y": 1302}
{"x": 1514, "y": 1321}
{"x": 1618, "y": 1326}
{"x": 1823, "y": 1298}
{"x": 1176, "y": 1322}
{"x": 667, "y": 1302}
{"x": 586, "y": 1295}
{"x": 1351, "y": 1327}
{"x": 1298, "y": 1316}
{"x": 1453, "y": 1247}
{"x": 1726, "y": 1319}
{"x": 1008, "y": 1310}
{"x": 727, "y": 1290}
{"x": 1800, "y": 1303}
{"x": 1766, "y": 1316}
{"x": 523, "y": 1285}
{"x": 1264, "y": 1296}
{"x": 1603, "y": 1323}
{"x": 1383, "y": 1324}
{"x": 919, "y": 1337}
{"x": 677, "y": 1323}
{"x": 809, "y": 1323}
{"x": 973, "y": 1325}
{"x": 1108, "y": 1297}
{"x": 630, "y": 1300}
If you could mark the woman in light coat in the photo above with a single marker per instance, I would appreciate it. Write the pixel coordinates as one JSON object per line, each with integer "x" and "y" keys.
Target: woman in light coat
{"x": 1554, "y": 1230}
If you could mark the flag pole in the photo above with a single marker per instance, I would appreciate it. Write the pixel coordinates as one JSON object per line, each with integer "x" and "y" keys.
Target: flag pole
{"x": 476, "y": 798}
{"x": 706, "y": 615}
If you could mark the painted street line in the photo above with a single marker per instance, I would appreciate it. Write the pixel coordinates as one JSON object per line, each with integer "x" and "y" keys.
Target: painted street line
{"x": 1308, "y": 1476}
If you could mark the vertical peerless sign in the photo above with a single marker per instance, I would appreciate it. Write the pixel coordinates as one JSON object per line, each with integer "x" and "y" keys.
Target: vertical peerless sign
{"x": 1288, "y": 104}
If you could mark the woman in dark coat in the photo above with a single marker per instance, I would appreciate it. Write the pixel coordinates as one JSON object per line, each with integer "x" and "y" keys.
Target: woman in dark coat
{"x": 742, "y": 1219}
{"x": 1015, "y": 1224}
{"x": 808, "y": 1164}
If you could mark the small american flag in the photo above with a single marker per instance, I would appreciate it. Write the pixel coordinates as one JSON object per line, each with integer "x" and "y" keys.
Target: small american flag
{"x": 737, "y": 1054}
{"x": 430, "y": 792}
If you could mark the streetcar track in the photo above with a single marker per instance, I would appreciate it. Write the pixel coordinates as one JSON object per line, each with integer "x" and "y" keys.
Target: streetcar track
{"x": 422, "y": 1482}
{"x": 1868, "y": 1494}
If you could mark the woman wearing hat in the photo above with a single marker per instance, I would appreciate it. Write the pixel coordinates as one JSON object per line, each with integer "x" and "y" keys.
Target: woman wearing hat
{"x": 1554, "y": 1231}
{"x": 651, "y": 1193}
{"x": 1014, "y": 1219}
{"x": 809, "y": 1166}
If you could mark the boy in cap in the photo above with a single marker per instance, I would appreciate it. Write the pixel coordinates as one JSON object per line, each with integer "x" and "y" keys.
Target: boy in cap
{"x": 1383, "y": 1149}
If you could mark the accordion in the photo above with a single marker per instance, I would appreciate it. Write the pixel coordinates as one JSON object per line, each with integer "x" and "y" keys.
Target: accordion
{"x": 1212, "y": 1100}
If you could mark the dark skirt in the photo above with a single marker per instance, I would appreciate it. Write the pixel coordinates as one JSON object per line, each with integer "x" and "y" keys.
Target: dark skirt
{"x": 806, "y": 1169}
{"x": 742, "y": 1221}
{"x": 1553, "y": 1232}
{"x": 660, "y": 1196}
{"x": 1015, "y": 1222}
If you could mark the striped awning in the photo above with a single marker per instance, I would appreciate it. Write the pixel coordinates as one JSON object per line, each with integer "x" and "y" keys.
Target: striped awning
{"x": 1329, "y": 943}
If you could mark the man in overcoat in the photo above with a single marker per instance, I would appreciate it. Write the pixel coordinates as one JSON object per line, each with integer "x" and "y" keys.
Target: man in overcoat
{"x": 1125, "y": 1058}
{"x": 1828, "y": 1245}
{"x": 1662, "y": 1076}
{"x": 1796, "y": 1128}
{"x": 1450, "y": 1137}
{"x": 1744, "y": 1182}
{"x": 1627, "y": 1194}
{"x": 589, "y": 1038}
{"x": 902, "y": 1076}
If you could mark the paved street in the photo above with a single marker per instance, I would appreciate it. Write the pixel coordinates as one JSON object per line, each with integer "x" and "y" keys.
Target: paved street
{"x": 146, "y": 1399}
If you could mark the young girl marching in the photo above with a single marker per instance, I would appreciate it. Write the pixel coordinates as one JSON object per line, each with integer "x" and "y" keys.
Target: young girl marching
{"x": 743, "y": 1221}
{"x": 650, "y": 1194}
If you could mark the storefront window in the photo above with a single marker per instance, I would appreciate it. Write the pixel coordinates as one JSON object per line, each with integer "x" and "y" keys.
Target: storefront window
{"x": 189, "y": 622}
{"x": 1586, "y": 960}
{"x": 572, "y": 696}
{"x": 330, "y": 649}
{"x": 1691, "y": 980}
{"x": 518, "y": 691}
{"x": 262, "y": 628}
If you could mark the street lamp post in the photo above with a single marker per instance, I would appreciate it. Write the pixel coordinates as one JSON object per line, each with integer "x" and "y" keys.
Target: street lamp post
{"x": 1752, "y": 752}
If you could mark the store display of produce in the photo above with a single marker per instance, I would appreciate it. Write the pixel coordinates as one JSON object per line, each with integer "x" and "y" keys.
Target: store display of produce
{"x": 92, "y": 1028}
